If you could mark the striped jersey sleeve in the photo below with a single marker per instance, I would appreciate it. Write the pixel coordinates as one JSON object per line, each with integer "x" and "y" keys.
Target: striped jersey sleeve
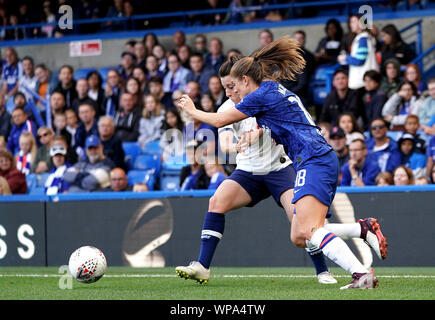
{"x": 361, "y": 53}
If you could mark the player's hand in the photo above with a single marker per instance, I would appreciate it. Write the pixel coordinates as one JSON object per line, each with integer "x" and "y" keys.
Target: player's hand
{"x": 186, "y": 104}
{"x": 243, "y": 143}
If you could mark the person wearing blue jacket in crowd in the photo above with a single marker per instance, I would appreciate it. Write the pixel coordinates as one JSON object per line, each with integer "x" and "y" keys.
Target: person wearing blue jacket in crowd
{"x": 20, "y": 123}
{"x": 361, "y": 169}
{"x": 382, "y": 148}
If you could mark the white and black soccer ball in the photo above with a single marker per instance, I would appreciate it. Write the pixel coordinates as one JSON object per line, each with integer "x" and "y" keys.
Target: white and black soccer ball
{"x": 87, "y": 264}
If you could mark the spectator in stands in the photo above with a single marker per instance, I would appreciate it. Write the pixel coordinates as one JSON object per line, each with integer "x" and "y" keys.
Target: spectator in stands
{"x": 337, "y": 140}
{"x": 5, "y": 120}
{"x": 178, "y": 39}
{"x": 115, "y": 11}
{"x": 265, "y": 37}
{"x": 171, "y": 141}
{"x": 91, "y": 174}
{"x": 263, "y": 14}
{"x": 133, "y": 86}
{"x": 213, "y": 18}
{"x": 394, "y": 46}
{"x": 28, "y": 79}
{"x": 20, "y": 123}
{"x": 406, "y": 101}
{"x": 235, "y": 15}
{"x": 348, "y": 123}
{"x": 176, "y": 78}
{"x": 139, "y": 74}
{"x": 112, "y": 92}
{"x": 383, "y": 149}
{"x": 96, "y": 91}
{"x": 329, "y": 46}
{"x": 57, "y": 105}
{"x": 341, "y": 99}
{"x": 55, "y": 183}
{"x": 82, "y": 89}
{"x": 299, "y": 86}
{"x": 49, "y": 18}
{"x": 151, "y": 122}
{"x": 193, "y": 90}
{"x": 140, "y": 52}
{"x": 384, "y": 179}
{"x": 42, "y": 161}
{"x": 215, "y": 58}
{"x": 27, "y": 152}
{"x": 427, "y": 110}
{"x": 112, "y": 146}
{"x": 127, "y": 119}
{"x": 374, "y": 98}
{"x": 184, "y": 53}
{"x": 200, "y": 73}
{"x": 15, "y": 33}
{"x": 59, "y": 127}
{"x": 391, "y": 79}
{"x": 140, "y": 187}
{"x": 207, "y": 103}
{"x": 216, "y": 173}
{"x": 45, "y": 83}
{"x": 160, "y": 53}
{"x": 118, "y": 181}
{"x": 193, "y": 176}
{"x": 410, "y": 157}
{"x": 363, "y": 53}
{"x": 15, "y": 178}
{"x": 72, "y": 123}
{"x": 361, "y": 169}
{"x": 152, "y": 68}
{"x": 67, "y": 84}
{"x": 11, "y": 73}
{"x": 432, "y": 175}
{"x": 155, "y": 86}
{"x": 411, "y": 127}
{"x": 201, "y": 45}
{"x": 403, "y": 176}
{"x": 128, "y": 61}
{"x": 150, "y": 40}
{"x": 412, "y": 74}
{"x": 87, "y": 127}
{"x": 216, "y": 90}
{"x": 4, "y": 187}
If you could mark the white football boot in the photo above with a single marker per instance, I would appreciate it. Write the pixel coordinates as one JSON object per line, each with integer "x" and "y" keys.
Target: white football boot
{"x": 194, "y": 271}
{"x": 326, "y": 277}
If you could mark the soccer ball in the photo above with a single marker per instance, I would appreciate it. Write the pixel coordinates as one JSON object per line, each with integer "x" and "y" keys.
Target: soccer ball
{"x": 87, "y": 264}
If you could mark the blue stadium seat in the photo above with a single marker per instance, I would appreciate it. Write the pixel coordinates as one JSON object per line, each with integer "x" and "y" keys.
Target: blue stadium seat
{"x": 31, "y": 180}
{"x": 131, "y": 150}
{"x": 174, "y": 163}
{"x": 152, "y": 147}
{"x": 147, "y": 161}
{"x": 170, "y": 183}
{"x": 395, "y": 135}
{"x": 82, "y": 73}
{"x": 41, "y": 178}
{"x": 142, "y": 176}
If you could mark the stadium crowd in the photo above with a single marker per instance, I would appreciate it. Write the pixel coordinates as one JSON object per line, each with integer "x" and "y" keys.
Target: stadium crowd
{"x": 379, "y": 117}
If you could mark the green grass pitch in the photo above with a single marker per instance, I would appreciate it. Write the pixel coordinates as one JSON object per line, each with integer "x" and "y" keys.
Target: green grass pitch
{"x": 122, "y": 283}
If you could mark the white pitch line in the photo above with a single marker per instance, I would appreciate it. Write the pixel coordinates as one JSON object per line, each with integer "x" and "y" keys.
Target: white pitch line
{"x": 215, "y": 276}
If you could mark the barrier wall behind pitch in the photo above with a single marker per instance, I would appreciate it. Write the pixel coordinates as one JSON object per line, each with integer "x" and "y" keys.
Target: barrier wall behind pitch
{"x": 154, "y": 232}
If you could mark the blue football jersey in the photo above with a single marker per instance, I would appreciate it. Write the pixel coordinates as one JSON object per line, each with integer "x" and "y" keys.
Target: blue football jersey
{"x": 281, "y": 111}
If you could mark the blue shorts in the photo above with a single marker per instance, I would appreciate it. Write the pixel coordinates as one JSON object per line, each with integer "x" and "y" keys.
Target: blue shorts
{"x": 260, "y": 187}
{"x": 318, "y": 177}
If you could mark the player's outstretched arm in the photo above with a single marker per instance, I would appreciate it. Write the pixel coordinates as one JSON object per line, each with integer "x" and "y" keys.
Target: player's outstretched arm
{"x": 216, "y": 120}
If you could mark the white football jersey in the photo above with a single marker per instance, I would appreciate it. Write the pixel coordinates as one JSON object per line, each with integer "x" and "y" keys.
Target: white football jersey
{"x": 262, "y": 157}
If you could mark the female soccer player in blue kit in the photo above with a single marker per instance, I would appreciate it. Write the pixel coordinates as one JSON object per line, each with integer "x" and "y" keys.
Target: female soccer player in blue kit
{"x": 316, "y": 165}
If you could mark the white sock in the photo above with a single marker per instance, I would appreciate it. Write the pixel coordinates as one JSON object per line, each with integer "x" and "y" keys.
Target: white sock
{"x": 344, "y": 230}
{"x": 337, "y": 250}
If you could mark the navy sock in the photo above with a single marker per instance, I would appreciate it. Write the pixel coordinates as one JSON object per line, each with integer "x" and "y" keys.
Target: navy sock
{"x": 318, "y": 259}
{"x": 212, "y": 231}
